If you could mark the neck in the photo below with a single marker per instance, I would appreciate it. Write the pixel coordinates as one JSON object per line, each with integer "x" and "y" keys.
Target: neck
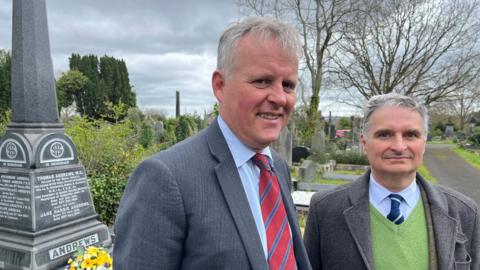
{"x": 394, "y": 182}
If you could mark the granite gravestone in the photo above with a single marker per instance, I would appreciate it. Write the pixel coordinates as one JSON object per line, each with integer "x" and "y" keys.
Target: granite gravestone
{"x": 46, "y": 208}
{"x": 283, "y": 145}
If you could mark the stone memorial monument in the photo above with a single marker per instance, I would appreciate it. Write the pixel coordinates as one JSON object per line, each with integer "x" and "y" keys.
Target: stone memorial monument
{"x": 283, "y": 145}
{"x": 46, "y": 208}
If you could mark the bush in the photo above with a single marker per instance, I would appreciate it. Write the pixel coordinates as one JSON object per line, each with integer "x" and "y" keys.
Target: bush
{"x": 350, "y": 157}
{"x": 4, "y": 121}
{"x": 109, "y": 152}
{"x": 106, "y": 192}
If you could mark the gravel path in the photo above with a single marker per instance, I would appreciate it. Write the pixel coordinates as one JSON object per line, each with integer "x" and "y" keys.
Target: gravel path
{"x": 452, "y": 171}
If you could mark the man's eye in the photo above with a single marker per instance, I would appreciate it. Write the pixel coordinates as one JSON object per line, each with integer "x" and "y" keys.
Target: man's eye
{"x": 261, "y": 83}
{"x": 412, "y": 135}
{"x": 288, "y": 86}
{"x": 383, "y": 135}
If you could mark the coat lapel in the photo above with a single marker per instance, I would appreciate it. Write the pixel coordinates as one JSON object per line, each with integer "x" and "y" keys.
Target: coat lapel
{"x": 232, "y": 188}
{"x": 444, "y": 226}
{"x": 357, "y": 218}
{"x": 300, "y": 251}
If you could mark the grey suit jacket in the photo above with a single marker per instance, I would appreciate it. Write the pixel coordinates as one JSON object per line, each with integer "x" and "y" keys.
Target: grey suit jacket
{"x": 337, "y": 235}
{"x": 185, "y": 208}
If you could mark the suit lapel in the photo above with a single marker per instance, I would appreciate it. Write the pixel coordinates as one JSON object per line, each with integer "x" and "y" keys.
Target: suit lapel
{"x": 444, "y": 226}
{"x": 291, "y": 215}
{"x": 232, "y": 188}
{"x": 357, "y": 218}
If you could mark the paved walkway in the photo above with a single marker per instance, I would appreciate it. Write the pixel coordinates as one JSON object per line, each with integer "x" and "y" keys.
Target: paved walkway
{"x": 452, "y": 171}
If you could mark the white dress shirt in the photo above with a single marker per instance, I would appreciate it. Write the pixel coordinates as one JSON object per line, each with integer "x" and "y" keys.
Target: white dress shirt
{"x": 378, "y": 195}
{"x": 249, "y": 175}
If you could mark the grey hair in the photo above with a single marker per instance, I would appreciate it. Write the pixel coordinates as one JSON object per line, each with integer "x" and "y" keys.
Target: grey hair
{"x": 264, "y": 28}
{"x": 393, "y": 100}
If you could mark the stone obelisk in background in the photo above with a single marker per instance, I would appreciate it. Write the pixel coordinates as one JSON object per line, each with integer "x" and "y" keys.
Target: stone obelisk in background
{"x": 46, "y": 208}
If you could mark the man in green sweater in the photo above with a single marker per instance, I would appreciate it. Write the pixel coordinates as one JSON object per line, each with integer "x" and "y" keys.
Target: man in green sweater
{"x": 391, "y": 218}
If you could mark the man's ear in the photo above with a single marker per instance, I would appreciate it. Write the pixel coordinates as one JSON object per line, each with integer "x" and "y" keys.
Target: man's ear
{"x": 218, "y": 84}
{"x": 363, "y": 141}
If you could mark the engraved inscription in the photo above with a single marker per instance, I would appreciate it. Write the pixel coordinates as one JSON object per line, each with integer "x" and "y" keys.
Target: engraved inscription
{"x": 61, "y": 196}
{"x": 56, "y": 150}
{"x": 15, "y": 202}
{"x": 11, "y": 150}
{"x": 72, "y": 246}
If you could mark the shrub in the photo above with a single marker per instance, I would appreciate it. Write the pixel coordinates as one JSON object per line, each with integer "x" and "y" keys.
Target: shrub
{"x": 350, "y": 157}
{"x": 109, "y": 152}
{"x": 106, "y": 192}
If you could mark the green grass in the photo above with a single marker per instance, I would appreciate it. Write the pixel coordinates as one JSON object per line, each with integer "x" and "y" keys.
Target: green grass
{"x": 450, "y": 141}
{"x": 427, "y": 174}
{"x": 354, "y": 172}
{"x": 471, "y": 157}
{"x": 321, "y": 180}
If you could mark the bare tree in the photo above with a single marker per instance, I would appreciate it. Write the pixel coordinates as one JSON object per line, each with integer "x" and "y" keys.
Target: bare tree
{"x": 318, "y": 22}
{"x": 462, "y": 105}
{"x": 423, "y": 48}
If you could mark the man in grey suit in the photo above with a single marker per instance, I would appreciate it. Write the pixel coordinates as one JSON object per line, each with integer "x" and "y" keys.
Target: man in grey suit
{"x": 391, "y": 218}
{"x": 197, "y": 204}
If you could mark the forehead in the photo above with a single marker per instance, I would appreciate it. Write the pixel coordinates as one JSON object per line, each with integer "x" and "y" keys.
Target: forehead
{"x": 395, "y": 118}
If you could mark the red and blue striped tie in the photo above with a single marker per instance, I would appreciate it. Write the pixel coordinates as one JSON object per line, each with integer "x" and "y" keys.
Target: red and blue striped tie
{"x": 279, "y": 241}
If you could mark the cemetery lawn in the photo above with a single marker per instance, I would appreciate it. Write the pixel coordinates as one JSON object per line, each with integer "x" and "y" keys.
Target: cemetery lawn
{"x": 473, "y": 158}
{"x": 354, "y": 172}
{"x": 425, "y": 172}
{"x": 321, "y": 180}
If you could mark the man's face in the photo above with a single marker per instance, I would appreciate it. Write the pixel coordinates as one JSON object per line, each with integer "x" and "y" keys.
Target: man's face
{"x": 395, "y": 143}
{"x": 258, "y": 96}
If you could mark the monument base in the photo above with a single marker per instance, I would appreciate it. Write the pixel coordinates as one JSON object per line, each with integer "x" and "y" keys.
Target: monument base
{"x": 51, "y": 248}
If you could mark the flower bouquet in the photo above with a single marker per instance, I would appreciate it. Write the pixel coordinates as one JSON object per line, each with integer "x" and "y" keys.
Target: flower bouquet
{"x": 91, "y": 258}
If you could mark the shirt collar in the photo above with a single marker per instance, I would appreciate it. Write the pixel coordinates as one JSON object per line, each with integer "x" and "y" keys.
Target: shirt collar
{"x": 379, "y": 193}
{"x": 240, "y": 152}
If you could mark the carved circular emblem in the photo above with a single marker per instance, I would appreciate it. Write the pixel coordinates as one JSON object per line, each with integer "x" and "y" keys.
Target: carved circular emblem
{"x": 56, "y": 150}
{"x": 12, "y": 150}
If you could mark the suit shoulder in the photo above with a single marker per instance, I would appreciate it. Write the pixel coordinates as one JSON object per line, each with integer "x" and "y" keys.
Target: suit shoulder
{"x": 339, "y": 193}
{"x": 456, "y": 199}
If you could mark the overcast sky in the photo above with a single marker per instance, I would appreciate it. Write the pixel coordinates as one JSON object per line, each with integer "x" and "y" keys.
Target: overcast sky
{"x": 167, "y": 45}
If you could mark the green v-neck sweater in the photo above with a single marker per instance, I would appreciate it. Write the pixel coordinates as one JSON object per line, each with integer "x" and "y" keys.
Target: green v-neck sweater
{"x": 400, "y": 247}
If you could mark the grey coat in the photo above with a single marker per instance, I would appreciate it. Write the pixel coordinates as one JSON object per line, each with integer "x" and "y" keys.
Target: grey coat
{"x": 337, "y": 235}
{"x": 185, "y": 208}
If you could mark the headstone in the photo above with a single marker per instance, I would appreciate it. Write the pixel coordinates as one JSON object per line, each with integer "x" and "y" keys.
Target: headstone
{"x": 333, "y": 132}
{"x": 307, "y": 171}
{"x": 283, "y": 145}
{"x": 46, "y": 209}
{"x": 318, "y": 142}
{"x": 159, "y": 130}
{"x": 299, "y": 153}
{"x": 449, "y": 130}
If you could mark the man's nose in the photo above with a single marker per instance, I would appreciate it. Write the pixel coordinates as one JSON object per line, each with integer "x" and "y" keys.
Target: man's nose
{"x": 277, "y": 94}
{"x": 399, "y": 143}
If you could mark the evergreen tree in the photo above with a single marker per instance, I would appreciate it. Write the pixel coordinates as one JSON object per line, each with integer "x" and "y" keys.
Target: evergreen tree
{"x": 107, "y": 82}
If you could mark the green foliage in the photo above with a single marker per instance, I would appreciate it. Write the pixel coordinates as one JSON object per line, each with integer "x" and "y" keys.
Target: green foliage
{"x": 344, "y": 123}
{"x": 146, "y": 135}
{"x": 5, "y": 81}
{"x": 72, "y": 86}
{"x": 109, "y": 153}
{"x": 436, "y": 132}
{"x": 4, "y": 121}
{"x": 350, "y": 157}
{"x": 107, "y": 192}
{"x": 108, "y": 82}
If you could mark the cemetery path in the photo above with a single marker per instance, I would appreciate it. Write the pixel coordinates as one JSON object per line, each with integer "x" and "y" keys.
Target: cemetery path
{"x": 452, "y": 171}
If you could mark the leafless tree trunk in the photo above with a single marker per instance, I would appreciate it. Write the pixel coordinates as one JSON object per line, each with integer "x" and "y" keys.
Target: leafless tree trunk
{"x": 318, "y": 22}
{"x": 423, "y": 48}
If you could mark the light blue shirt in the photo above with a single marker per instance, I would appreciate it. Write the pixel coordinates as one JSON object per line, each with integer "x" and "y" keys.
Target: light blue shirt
{"x": 378, "y": 195}
{"x": 249, "y": 175}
